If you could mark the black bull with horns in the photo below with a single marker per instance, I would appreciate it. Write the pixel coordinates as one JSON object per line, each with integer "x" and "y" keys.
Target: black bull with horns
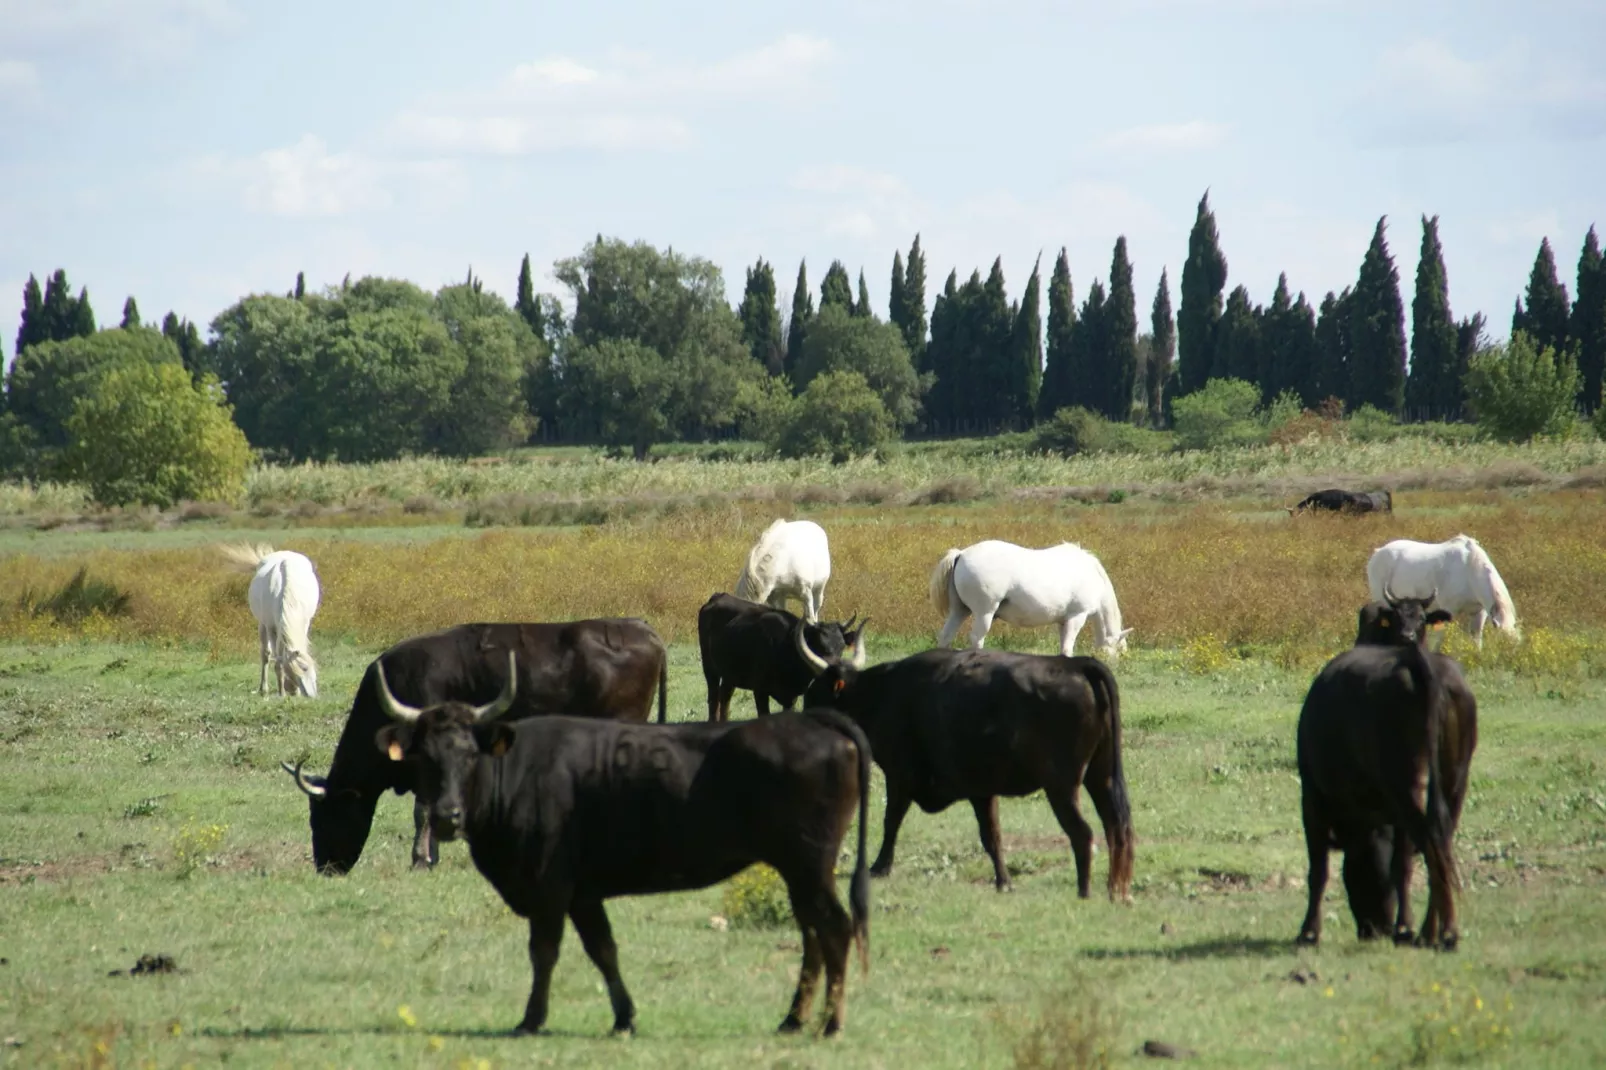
{"x": 562, "y": 813}
{"x": 590, "y": 668}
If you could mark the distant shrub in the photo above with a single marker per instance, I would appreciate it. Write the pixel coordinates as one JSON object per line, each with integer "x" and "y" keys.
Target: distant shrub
{"x": 1078, "y": 430}
{"x": 838, "y": 416}
{"x": 756, "y": 898}
{"x": 1371, "y": 424}
{"x": 1519, "y": 391}
{"x": 1221, "y": 414}
{"x": 1071, "y": 1031}
{"x": 194, "y": 846}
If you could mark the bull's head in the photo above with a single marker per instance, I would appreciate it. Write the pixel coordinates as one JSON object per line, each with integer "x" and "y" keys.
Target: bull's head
{"x": 1397, "y": 621}
{"x": 834, "y": 676}
{"x": 443, "y": 743}
{"x": 340, "y": 821}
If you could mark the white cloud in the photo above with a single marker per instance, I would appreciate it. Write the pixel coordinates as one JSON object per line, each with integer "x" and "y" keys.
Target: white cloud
{"x": 631, "y": 101}
{"x": 1167, "y": 137}
{"x": 307, "y": 180}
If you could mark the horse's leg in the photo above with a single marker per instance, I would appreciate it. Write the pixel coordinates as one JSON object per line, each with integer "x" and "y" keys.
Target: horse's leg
{"x": 1474, "y": 625}
{"x": 811, "y": 609}
{"x": 950, "y": 628}
{"x": 267, "y": 650}
{"x": 980, "y": 625}
{"x": 1070, "y": 627}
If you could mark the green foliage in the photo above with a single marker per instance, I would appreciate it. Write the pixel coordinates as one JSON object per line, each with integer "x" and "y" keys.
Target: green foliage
{"x": 130, "y": 314}
{"x": 1433, "y": 390}
{"x": 1587, "y": 328}
{"x": 1162, "y": 352}
{"x": 1376, "y": 321}
{"x": 836, "y": 289}
{"x": 839, "y": 341}
{"x": 1543, "y": 317}
{"x": 32, "y": 329}
{"x": 77, "y": 600}
{"x": 1026, "y": 352}
{"x": 1520, "y": 391}
{"x": 1055, "y": 392}
{"x": 761, "y": 320}
{"x": 195, "y": 845}
{"x": 1118, "y": 358}
{"x": 1076, "y": 430}
{"x": 838, "y": 415}
{"x": 152, "y": 436}
{"x": 1204, "y": 277}
{"x": 625, "y": 388}
{"x": 1330, "y": 375}
{"x": 756, "y": 898}
{"x": 861, "y": 306}
{"x": 802, "y": 313}
{"x": 908, "y": 302}
{"x": 1221, "y": 414}
{"x": 1371, "y": 424}
{"x": 525, "y": 302}
{"x": 1238, "y": 345}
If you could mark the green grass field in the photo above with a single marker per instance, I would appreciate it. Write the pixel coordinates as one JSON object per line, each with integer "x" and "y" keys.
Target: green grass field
{"x": 142, "y": 811}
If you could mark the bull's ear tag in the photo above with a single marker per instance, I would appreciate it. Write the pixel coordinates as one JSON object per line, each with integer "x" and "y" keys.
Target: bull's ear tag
{"x": 499, "y": 747}
{"x": 1384, "y": 623}
{"x": 395, "y": 751}
{"x": 836, "y": 688}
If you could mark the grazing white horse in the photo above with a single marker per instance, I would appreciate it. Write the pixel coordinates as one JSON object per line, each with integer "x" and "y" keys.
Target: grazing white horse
{"x": 284, "y": 598}
{"x": 790, "y": 560}
{"x": 1457, "y": 573}
{"x": 1029, "y": 589}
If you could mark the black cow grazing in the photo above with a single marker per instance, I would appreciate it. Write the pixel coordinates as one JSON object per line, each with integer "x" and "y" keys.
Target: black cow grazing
{"x": 749, "y": 645}
{"x": 588, "y": 668}
{"x": 562, "y": 813}
{"x": 1347, "y": 501}
{"x": 947, "y": 725}
{"x": 1379, "y": 721}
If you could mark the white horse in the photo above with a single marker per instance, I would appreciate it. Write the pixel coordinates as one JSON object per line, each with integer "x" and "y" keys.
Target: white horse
{"x": 790, "y": 560}
{"x": 1029, "y": 589}
{"x": 284, "y": 599}
{"x": 1458, "y": 569}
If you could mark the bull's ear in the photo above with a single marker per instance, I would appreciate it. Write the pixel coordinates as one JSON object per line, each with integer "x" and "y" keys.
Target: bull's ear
{"x": 1440, "y": 616}
{"x": 393, "y": 740}
{"x": 494, "y": 738}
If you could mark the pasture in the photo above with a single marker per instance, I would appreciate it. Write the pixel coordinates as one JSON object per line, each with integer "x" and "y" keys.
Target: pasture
{"x": 142, "y": 811}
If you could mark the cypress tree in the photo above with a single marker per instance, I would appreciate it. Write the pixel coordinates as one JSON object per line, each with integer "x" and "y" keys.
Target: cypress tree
{"x": 301, "y": 280}
{"x": 1204, "y": 277}
{"x": 861, "y": 307}
{"x": 1277, "y": 369}
{"x": 1545, "y": 316}
{"x": 1587, "y": 329}
{"x": 187, "y": 339}
{"x": 1331, "y": 375}
{"x": 1377, "y": 330}
{"x": 1162, "y": 351}
{"x": 130, "y": 313}
{"x": 1432, "y": 389}
{"x": 1055, "y": 391}
{"x": 1469, "y": 339}
{"x": 1237, "y": 353}
{"x": 802, "y": 312}
{"x": 82, "y": 324}
{"x": 527, "y": 305}
{"x": 1301, "y": 350}
{"x": 1026, "y": 351}
{"x": 58, "y": 310}
{"x": 995, "y": 374}
{"x": 761, "y": 320}
{"x": 1089, "y": 384}
{"x": 1120, "y": 353}
{"x": 895, "y": 298}
{"x": 913, "y": 324}
{"x": 33, "y": 328}
{"x": 937, "y": 358}
{"x": 836, "y": 288}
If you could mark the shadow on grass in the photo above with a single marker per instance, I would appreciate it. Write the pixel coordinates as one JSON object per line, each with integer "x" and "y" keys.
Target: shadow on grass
{"x": 1228, "y": 948}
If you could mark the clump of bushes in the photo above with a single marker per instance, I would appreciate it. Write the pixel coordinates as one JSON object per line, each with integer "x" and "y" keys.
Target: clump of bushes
{"x": 756, "y": 898}
{"x": 1079, "y": 430}
{"x": 1520, "y": 391}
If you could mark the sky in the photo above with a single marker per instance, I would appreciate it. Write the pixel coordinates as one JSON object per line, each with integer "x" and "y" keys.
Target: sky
{"x": 189, "y": 152}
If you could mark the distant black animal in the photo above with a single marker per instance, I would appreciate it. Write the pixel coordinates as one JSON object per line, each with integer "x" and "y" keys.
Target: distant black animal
{"x": 1379, "y": 722}
{"x": 589, "y": 668}
{"x": 1348, "y": 501}
{"x": 562, "y": 813}
{"x": 749, "y": 645}
{"x": 946, "y": 725}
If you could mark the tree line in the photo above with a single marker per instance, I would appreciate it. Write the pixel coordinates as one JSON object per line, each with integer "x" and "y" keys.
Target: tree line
{"x": 652, "y": 351}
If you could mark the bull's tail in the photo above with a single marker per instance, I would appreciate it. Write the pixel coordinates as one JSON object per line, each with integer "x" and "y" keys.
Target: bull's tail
{"x": 1440, "y": 822}
{"x": 943, "y": 594}
{"x": 663, "y": 689}
{"x": 244, "y": 557}
{"x": 859, "y": 888}
{"x": 1114, "y": 806}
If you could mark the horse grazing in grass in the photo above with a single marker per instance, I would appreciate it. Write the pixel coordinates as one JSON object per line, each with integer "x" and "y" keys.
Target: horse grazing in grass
{"x": 792, "y": 559}
{"x": 284, "y": 599}
{"x": 1456, "y": 574}
{"x": 1029, "y": 589}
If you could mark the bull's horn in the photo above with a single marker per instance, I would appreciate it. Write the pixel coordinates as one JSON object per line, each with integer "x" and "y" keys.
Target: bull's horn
{"x": 848, "y": 624}
{"x": 1388, "y": 594}
{"x": 396, "y": 710}
{"x": 816, "y": 664}
{"x": 503, "y": 702}
{"x": 316, "y": 791}
{"x": 858, "y": 657}
{"x": 1432, "y": 596}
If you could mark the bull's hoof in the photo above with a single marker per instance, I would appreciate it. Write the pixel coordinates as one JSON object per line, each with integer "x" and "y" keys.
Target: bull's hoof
{"x": 1448, "y": 941}
{"x": 879, "y": 870}
{"x": 525, "y": 1029}
{"x": 790, "y": 1024}
{"x": 1404, "y": 937}
{"x": 1006, "y": 886}
{"x": 625, "y": 1030}
{"x": 833, "y": 1028}
{"x": 1308, "y": 938}
{"x": 423, "y": 864}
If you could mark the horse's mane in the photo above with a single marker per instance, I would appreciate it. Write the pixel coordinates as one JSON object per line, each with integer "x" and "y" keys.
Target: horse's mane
{"x": 1487, "y": 576}
{"x": 762, "y": 553}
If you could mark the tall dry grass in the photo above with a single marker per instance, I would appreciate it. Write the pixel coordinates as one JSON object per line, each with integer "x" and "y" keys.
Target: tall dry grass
{"x": 1199, "y": 578}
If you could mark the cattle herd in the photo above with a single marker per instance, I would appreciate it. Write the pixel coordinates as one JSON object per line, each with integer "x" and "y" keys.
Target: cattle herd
{"x": 533, "y": 743}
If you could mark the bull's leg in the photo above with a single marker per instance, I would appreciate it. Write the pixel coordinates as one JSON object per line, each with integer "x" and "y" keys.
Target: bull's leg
{"x": 1099, "y": 782}
{"x": 991, "y": 842}
{"x": 761, "y": 703}
{"x": 830, "y": 930}
{"x": 426, "y": 852}
{"x": 808, "y": 976}
{"x": 591, "y": 922}
{"x": 950, "y": 627}
{"x": 714, "y": 691}
{"x": 1070, "y": 627}
{"x": 1401, "y": 861}
{"x": 546, "y": 932}
{"x": 267, "y": 651}
{"x": 1069, "y": 814}
{"x": 726, "y": 690}
{"x": 898, "y": 801}
{"x": 1317, "y": 841}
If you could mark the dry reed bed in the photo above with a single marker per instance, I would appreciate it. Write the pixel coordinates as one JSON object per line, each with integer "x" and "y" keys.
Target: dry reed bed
{"x": 1185, "y": 576}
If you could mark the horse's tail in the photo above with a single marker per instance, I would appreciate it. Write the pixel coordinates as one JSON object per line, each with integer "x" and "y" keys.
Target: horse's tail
{"x": 943, "y": 594}
{"x": 244, "y": 557}
{"x": 752, "y": 578}
{"x": 1491, "y": 590}
{"x": 1114, "y": 806}
{"x": 1379, "y": 568}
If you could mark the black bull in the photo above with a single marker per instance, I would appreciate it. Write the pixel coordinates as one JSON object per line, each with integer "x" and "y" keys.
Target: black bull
{"x": 1385, "y": 744}
{"x": 947, "y": 725}
{"x": 1347, "y": 501}
{"x": 749, "y": 645}
{"x": 590, "y": 668}
{"x": 562, "y": 813}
